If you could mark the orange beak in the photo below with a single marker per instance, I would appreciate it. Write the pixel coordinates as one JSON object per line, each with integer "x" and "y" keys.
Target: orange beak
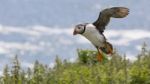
{"x": 75, "y": 32}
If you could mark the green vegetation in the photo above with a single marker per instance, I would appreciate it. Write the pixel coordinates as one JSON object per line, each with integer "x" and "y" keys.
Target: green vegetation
{"x": 86, "y": 70}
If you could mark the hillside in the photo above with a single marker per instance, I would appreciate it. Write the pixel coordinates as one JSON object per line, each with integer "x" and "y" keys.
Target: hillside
{"x": 86, "y": 70}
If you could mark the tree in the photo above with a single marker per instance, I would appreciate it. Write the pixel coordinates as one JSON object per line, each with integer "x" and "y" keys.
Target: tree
{"x": 16, "y": 70}
{"x": 6, "y": 76}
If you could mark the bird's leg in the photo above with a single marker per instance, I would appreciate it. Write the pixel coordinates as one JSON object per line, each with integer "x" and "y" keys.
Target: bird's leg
{"x": 99, "y": 56}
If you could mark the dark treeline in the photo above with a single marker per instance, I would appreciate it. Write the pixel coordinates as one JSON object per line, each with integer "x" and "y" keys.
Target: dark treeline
{"x": 86, "y": 70}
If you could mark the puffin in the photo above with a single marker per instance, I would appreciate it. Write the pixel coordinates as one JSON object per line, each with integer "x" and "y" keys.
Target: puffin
{"x": 94, "y": 32}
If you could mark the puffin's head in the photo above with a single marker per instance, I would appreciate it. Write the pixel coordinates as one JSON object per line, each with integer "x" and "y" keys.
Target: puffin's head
{"x": 79, "y": 29}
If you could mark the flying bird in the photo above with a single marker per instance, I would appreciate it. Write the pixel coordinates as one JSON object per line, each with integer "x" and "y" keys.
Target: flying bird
{"x": 94, "y": 31}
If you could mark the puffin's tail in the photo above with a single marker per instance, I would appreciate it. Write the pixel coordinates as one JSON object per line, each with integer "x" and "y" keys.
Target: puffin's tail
{"x": 108, "y": 49}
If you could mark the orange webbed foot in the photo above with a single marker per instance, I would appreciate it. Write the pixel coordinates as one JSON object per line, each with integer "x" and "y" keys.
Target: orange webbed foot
{"x": 99, "y": 56}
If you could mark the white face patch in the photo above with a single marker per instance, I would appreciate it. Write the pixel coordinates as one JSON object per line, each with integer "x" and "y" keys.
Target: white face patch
{"x": 80, "y": 28}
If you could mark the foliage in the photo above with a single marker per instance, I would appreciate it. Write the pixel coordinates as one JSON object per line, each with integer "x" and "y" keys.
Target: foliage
{"x": 86, "y": 70}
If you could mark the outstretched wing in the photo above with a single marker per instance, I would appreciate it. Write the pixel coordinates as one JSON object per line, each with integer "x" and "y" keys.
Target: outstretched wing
{"x": 106, "y": 14}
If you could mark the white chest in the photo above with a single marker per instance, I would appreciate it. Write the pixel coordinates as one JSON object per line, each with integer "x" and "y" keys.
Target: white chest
{"x": 94, "y": 36}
